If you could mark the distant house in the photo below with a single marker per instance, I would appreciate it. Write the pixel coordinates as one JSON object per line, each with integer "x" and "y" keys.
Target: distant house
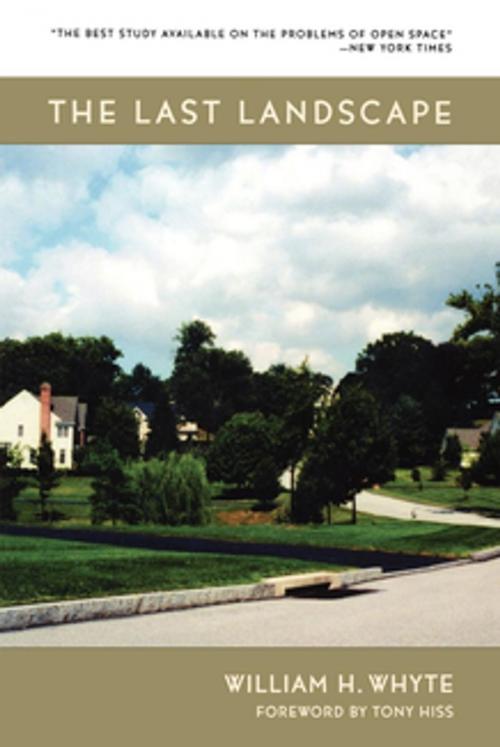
{"x": 188, "y": 431}
{"x": 26, "y": 416}
{"x": 143, "y": 412}
{"x": 470, "y": 438}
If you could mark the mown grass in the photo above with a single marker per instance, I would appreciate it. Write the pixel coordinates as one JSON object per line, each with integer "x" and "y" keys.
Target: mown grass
{"x": 68, "y": 500}
{"x": 370, "y": 533}
{"x": 70, "y": 488}
{"x": 480, "y": 499}
{"x": 42, "y": 570}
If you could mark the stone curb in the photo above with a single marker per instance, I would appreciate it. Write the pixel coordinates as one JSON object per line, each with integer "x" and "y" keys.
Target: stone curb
{"x": 79, "y": 610}
{"x": 488, "y": 554}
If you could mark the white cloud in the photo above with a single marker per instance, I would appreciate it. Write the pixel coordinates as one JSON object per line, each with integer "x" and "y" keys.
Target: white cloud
{"x": 287, "y": 252}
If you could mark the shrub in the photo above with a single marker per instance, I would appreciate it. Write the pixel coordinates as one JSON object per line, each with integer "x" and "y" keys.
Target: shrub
{"x": 452, "y": 453}
{"x": 112, "y": 497}
{"x": 439, "y": 471}
{"x": 172, "y": 491}
{"x": 147, "y": 482}
{"x": 416, "y": 476}
{"x": 10, "y": 487}
{"x": 465, "y": 480}
{"x": 265, "y": 483}
{"x": 93, "y": 459}
{"x": 486, "y": 471}
{"x": 187, "y": 490}
{"x": 240, "y": 446}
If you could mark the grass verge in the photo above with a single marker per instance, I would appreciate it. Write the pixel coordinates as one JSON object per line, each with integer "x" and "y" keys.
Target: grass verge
{"x": 45, "y": 570}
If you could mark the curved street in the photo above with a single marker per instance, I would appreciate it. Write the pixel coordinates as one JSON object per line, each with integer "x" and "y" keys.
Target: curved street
{"x": 379, "y": 504}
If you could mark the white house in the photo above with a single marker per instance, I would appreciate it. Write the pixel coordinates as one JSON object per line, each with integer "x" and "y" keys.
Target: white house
{"x": 25, "y": 417}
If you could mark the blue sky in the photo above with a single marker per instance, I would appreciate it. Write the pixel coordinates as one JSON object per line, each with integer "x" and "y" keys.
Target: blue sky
{"x": 286, "y": 251}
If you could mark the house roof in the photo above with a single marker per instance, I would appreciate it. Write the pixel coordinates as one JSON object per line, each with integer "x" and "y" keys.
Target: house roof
{"x": 70, "y": 410}
{"x": 65, "y": 408}
{"x": 469, "y": 437}
{"x": 148, "y": 408}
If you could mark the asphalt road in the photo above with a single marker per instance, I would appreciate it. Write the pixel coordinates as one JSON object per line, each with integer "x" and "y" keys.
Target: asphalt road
{"x": 453, "y": 606}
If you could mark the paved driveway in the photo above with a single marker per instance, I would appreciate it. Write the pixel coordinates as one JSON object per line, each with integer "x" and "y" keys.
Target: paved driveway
{"x": 454, "y": 606}
{"x": 396, "y": 508}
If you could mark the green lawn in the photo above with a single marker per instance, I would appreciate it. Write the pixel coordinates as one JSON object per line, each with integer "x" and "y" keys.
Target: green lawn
{"x": 41, "y": 570}
{"x": 373, "y": 533}
{"x": 370, "y": 533}
{"x": 70, "y": 488}
{"x": 70, "y": 499}
{"x": 480, "y": 499}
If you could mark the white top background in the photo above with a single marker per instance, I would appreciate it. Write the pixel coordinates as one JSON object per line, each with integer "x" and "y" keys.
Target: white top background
{"x": 29, "y": 47}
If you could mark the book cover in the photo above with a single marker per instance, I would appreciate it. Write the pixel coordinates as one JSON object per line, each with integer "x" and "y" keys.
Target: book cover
{"x": 249, "y": 354}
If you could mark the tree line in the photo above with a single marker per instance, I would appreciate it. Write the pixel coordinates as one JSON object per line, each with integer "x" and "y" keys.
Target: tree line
{"x": 392, "y": 409}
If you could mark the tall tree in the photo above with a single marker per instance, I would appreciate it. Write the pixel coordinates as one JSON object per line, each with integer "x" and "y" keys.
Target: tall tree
{"x": 479, "y": 333}
{"x": 163, "y": 434}
{"x": 115, "y": 423}
{"x": 405, "y": 365}
{"x": 292, "y": 396}
{"x": 82, "y": 366}
{"x": 352, "y": 449}
{"x": 141, "y": 385}
{"x": 209, "y": 384}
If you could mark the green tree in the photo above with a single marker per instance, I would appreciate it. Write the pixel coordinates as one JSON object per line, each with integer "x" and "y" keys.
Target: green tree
{"x": 139, "y": 385}
{"x": 479, "y": 333}
{"x": 240, "y": 446}
{"x": 190, "y": 379}
{"x": 352, "y": 449}
{"x": 404, "y": 371}
{"x": 10, "y": 487}
{"x": 292, "y": 396}
{"x": 265, "y": 481}
{"x": 465, "y": 481}
{"x": 452, "y": 453}
{"x": 486, "y": 471}
{"x": 163, "y": 434}
{"x": 410, "y": 432}
{"x": 115, "y": 423}
{"x": 112, "y": 497}
{"x": 209, "y": 384}
{"x": 46, "y": 475}
{"x": 416, "y": 476}
{"x": 82, "y": 366}
{"x": 439, "y": 470}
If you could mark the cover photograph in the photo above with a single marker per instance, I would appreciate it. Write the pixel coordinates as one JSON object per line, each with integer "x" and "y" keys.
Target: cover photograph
{"x": 249, "y": 373}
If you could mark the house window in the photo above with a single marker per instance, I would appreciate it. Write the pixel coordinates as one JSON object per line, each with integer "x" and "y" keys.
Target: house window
{"x": 20, "y": 431}
{"x": 62, "y": 456}
{"x": 33, "y": 456}
{"x": 62, "y": 431}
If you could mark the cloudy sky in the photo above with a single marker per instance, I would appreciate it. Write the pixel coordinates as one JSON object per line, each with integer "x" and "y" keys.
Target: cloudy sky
{"x": 286, "y": 251}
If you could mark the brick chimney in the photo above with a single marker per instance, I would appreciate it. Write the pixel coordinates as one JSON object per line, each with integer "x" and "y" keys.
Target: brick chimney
{"x": 45, "y": 408}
